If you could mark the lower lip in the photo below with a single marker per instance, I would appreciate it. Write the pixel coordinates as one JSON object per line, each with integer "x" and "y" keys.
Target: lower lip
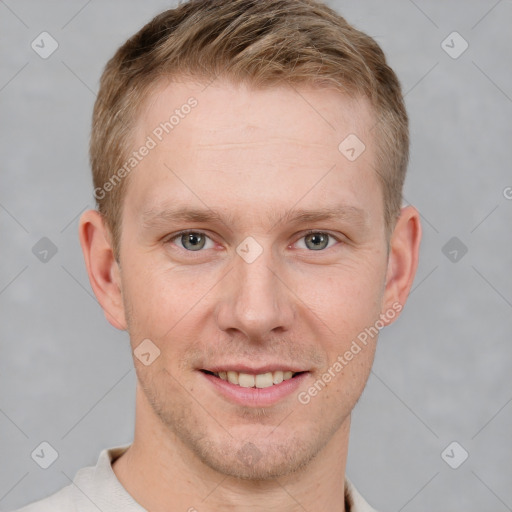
{"x": 256, "y": 397}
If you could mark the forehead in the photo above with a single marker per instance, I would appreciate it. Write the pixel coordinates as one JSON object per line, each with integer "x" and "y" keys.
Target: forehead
{"x": 267, "y": 148}
{"x": 269, "y": 113}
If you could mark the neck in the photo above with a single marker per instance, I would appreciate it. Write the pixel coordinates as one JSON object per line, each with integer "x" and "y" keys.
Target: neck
{"x": 159, "y": 471}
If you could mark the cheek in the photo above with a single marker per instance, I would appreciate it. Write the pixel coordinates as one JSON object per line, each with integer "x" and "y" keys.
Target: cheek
{"x": 161, "y": 300}
{"x": 149, "y": 299}
{"x": 346, "y": 297}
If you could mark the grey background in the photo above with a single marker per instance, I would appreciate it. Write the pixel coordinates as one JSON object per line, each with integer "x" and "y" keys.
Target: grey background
{"x": 442, "y": 372}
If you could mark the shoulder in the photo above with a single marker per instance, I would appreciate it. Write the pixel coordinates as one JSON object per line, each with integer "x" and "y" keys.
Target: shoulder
{"x": 91, "y": 486}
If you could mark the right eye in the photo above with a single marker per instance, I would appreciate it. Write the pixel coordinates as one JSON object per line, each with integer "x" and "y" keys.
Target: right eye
{"x": 192, "y": 240}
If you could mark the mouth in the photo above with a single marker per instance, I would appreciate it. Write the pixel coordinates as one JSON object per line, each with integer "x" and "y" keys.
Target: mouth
{"x": 263, "y": 387}
{"x": 250, "y": 380}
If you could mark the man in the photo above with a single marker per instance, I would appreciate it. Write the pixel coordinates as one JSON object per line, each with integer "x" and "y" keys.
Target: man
{"x": 248, "y": 159}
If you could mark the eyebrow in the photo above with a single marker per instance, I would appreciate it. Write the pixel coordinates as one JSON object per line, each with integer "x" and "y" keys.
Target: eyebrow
{"x": 155, "y": 217}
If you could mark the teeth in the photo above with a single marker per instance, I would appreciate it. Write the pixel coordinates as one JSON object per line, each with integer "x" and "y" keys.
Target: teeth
{"x": 278, "y": 377}
{"x": 245, "y": 380}
{"x": 262, "y": 380}
{"x": 232, "y": 377}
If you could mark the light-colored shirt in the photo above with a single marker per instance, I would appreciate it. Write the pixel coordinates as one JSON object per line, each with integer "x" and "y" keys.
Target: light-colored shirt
{"x": 97, "y": 488}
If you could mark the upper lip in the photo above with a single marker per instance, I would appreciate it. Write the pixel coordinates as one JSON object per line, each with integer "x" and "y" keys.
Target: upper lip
{"x": 243, "y": 368}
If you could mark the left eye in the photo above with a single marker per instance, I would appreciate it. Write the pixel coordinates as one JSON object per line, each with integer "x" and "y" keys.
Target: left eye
{"x": 193, "y": 240}
{"x": 317, "y": 240}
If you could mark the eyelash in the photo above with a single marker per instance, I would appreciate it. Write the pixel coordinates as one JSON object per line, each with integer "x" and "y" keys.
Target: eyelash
{"x": 188, "y": 231}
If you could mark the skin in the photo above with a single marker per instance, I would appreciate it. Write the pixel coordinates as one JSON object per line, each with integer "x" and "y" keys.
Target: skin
{"x": 252, "y": 155}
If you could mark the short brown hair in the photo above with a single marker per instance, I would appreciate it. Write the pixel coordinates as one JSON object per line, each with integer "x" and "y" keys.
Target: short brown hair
{"x": 262, "y": 42}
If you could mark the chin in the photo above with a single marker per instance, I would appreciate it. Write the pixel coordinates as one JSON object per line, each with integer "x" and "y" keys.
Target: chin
{"x": 256, "y": 461}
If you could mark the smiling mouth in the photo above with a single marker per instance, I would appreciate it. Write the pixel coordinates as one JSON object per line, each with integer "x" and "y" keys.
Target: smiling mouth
{"x": 247, "y": 380}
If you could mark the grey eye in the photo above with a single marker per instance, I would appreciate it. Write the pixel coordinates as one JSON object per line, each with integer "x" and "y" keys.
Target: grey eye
{"x": 316, "y": 241}
{"x": 193, "y": 241}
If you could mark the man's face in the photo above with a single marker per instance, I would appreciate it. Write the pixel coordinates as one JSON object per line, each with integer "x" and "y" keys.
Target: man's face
{"x": 250, "y": 288}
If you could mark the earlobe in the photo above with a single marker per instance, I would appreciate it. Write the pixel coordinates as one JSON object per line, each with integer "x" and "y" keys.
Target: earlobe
{"x": 102, "y": 268}
{"x": 403, "y": 259}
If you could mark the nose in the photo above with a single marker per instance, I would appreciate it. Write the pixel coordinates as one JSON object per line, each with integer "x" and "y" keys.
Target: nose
{"x": 255, "y": 300}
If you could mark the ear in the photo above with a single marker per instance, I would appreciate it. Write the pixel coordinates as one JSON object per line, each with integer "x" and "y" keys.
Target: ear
{"x": 402, "y": 263}
{"x": 103, "y": 269}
